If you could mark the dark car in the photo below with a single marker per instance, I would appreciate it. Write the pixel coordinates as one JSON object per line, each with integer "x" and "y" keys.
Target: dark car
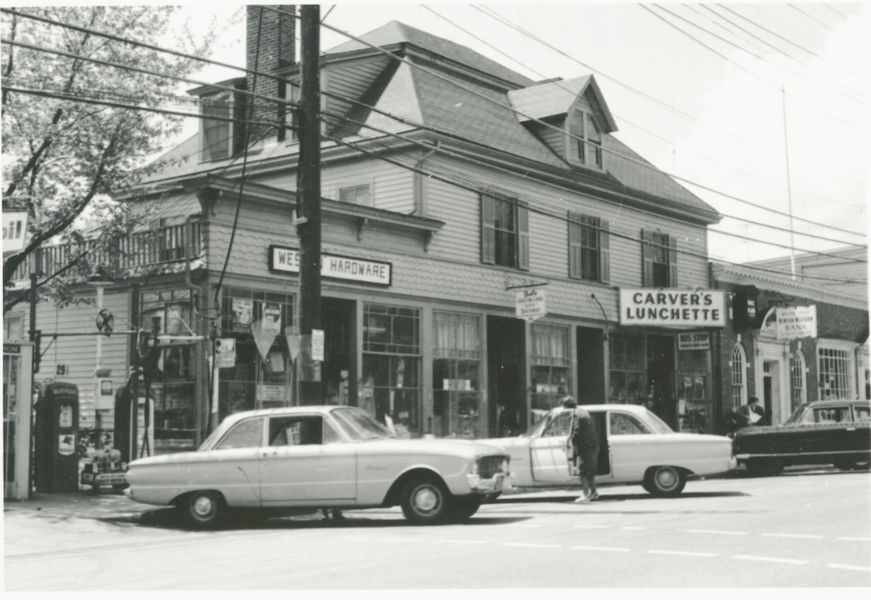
{"x": 827, "y": 432}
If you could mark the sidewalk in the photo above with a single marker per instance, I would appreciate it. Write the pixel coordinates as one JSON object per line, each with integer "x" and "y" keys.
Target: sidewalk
{"x": 90, "y": 505}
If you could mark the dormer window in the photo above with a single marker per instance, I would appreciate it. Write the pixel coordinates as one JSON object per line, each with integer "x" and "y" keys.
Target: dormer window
{"x": 222, "y": 129}
{"x": 585, "y": 140}
{"x": 217, "y": 126}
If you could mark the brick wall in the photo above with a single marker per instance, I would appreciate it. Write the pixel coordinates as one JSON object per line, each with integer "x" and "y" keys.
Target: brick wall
{"x": 276, "y": 49}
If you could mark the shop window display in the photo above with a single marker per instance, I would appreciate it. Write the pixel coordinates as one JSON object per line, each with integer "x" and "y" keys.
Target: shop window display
{"x": 390, "y": 388}
{"x": 171, "y": 369}
{"x": 457, "y": 375}
{"x": 627, "y": 369}
{"x": 551, "y": 359}
{"x": 262, "y": 376}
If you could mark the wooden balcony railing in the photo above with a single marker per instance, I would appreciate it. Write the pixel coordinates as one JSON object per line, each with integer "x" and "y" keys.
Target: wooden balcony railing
{"x": 146, "y": 248}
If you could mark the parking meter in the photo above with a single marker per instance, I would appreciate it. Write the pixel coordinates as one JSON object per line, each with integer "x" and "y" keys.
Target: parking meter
{"x": 56, "y": 437}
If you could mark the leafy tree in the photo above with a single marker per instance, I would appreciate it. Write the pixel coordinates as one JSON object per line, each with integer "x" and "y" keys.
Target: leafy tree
{"x": 62, "y": 158}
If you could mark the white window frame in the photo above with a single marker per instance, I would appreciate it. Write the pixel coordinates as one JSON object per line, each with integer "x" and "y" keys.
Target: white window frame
{"x": 849, "y": 350}
{"x": 798, "y": 375}
{"x": 738, "y": 378}
{"x": 370, "y": 188}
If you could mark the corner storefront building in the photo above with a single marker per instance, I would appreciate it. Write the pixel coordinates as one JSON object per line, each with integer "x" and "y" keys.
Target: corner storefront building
{"x": 502, "y": 251}
{"x": 790, "y": 342}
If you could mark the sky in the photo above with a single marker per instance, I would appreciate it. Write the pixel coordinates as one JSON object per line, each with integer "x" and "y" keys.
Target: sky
{"x": 756, "y": 104}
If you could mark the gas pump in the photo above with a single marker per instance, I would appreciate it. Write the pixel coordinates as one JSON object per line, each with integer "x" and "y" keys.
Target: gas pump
{"x": 56, "y": 438}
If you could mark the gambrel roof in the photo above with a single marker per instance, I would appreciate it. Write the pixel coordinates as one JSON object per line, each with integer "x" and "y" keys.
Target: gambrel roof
{"x": 454, "y": 92}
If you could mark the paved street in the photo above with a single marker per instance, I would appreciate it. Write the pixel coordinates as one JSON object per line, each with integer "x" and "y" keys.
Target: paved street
{"x": 800, "y": 529}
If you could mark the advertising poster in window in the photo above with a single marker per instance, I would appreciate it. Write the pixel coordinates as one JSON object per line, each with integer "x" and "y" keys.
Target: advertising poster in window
{"x": 243, "y": 308}
{"x": 271, "y": 319}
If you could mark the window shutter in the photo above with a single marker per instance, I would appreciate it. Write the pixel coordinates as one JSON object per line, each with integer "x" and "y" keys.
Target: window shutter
{"x": 574, "y": 245}
{"x": 646, "y": 258}
{"x": 672, "y": 261}
{"x": 604, "y": 252}
{"x": 488, "y": 229}
{"x": 522, "y": 236}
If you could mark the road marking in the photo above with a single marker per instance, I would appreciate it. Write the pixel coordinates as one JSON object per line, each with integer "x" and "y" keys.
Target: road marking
{"x": 525, "y": 545}
{"x": 848, "y": 567}
{"x": 789, "y": 561}
{"x": 846, "y": 538}
{"x": 682, "y": 553}
{"x": 592, "y": 526}
{"x": 719, "y": 532}
{"x": 804, "y": 536}
{"x": 462, "y": 542}
{"x": 601, "y": 548}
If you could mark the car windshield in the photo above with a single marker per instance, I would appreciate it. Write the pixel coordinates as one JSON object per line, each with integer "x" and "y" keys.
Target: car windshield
{"x": 212, "y": 438}
{"x": 796, "y": 416}
{"x": 358, "y": 425}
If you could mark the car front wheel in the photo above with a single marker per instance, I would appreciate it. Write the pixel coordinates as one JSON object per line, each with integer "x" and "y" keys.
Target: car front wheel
{"x": 204, "y": 510}
{"x": 664, "y": 481}
{"x": 424, "y": 501}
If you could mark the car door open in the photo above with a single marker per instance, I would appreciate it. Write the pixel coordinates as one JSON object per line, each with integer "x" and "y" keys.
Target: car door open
{"x": 305, "y": 461}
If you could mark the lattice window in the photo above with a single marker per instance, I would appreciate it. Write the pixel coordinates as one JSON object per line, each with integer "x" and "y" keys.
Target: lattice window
{"x": 739, "y": 369}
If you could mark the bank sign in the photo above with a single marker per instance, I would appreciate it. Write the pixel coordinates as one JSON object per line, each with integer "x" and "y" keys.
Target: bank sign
{"x": 286, "y": 260}
{"x": 673, "y": 308}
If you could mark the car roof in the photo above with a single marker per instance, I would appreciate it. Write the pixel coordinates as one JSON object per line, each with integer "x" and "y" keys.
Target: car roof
{"x": 284, "y": 410}
{"x": 834, "y": 403}
{"x": 636, "y": 408}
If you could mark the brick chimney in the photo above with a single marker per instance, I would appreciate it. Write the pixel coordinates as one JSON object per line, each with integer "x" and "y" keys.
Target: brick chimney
{"x": 277, "y": 49}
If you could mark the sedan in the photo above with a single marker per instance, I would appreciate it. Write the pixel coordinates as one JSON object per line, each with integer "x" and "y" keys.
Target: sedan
{"x": 825, "y": 432}
{"x": 307, "y": 458}
{"x": 635, "y": 446}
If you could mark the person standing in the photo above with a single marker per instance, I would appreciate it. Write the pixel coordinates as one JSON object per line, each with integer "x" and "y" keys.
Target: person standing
{"x": 585, "y": 446}
{"x": 753, "y": 412}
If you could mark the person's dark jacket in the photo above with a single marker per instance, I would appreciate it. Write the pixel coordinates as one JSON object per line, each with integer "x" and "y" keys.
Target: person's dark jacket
{"x": 584, "y": 434}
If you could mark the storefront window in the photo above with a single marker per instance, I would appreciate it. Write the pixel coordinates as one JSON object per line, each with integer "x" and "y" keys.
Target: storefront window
{"x": 627, "y": 369}
{"x": 390, "y": 388}
{"x": 550, "y": 362}
{"x": 173, "y": 390}
{"x": 835, "y": 368}
{"x": 694, "y": 408}
{"x": 262, "y": 376}
{"x": 456, "y": 375}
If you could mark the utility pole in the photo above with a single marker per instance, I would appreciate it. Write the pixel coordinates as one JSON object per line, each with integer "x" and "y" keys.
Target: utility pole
{"x": 788, "y": 186}
{"x": 308, "y": 219}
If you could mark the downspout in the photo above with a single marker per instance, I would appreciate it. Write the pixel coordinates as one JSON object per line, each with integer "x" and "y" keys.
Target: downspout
{"x": 419, "y": 202}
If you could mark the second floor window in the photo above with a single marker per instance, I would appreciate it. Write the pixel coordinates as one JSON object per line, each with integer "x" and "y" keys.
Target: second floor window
{"x": 358, "y": 194}
{"x": 504, "y": 231}
{"x": 588, "y": 248}
{"x": 658, "y": 259}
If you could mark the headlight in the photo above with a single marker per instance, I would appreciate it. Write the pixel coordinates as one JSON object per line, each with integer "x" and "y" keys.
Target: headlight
{"x": 473, "y": 468}
{"x": 505, "y": 466}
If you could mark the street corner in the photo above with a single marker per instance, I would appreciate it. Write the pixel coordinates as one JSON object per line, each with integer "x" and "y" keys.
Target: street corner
{"x": 82, "y": 505}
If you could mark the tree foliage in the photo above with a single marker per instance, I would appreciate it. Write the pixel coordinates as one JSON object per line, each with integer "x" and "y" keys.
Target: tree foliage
{"x": 63, "y": 158}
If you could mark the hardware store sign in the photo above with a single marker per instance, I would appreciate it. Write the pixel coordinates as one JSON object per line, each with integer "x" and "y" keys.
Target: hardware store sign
{"x": 673, "y": 308}
{"x": 286, "y": 260}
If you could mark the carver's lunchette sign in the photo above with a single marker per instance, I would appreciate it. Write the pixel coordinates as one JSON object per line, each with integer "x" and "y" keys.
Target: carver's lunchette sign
{"x": 673, "y": 308}
{"x": 286, "y": 260}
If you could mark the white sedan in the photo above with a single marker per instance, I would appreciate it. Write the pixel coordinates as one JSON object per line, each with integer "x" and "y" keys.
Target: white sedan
{"x": 311, "y": 457}
{"x": 635, "y": 446}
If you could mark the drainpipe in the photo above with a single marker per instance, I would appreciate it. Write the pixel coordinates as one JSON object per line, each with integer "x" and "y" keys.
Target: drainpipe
{"x": 420, "y": 204}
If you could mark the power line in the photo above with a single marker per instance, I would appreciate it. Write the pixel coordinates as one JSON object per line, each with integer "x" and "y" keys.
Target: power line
{"x": 475, "y": 187}
{"x": 645, "y": 130}
{"x": 729, "y": 60}
{"x": 259, "y": 73}
{"x": 273, "y": 99}
{"x": 494, "y": 15}
{"x": 811, "y": 17}
{"x": 780, "y": 51}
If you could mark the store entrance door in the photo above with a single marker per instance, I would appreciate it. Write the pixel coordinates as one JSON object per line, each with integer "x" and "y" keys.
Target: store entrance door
{"x": 660, "y": 378}
{"x": 506, "y": 368}
{"x": 338, "y": 317}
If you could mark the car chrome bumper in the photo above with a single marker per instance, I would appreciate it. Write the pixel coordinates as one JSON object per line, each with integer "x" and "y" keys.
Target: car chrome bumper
{"x": 497, "y": 483}
{"x": 733, "y": 461}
